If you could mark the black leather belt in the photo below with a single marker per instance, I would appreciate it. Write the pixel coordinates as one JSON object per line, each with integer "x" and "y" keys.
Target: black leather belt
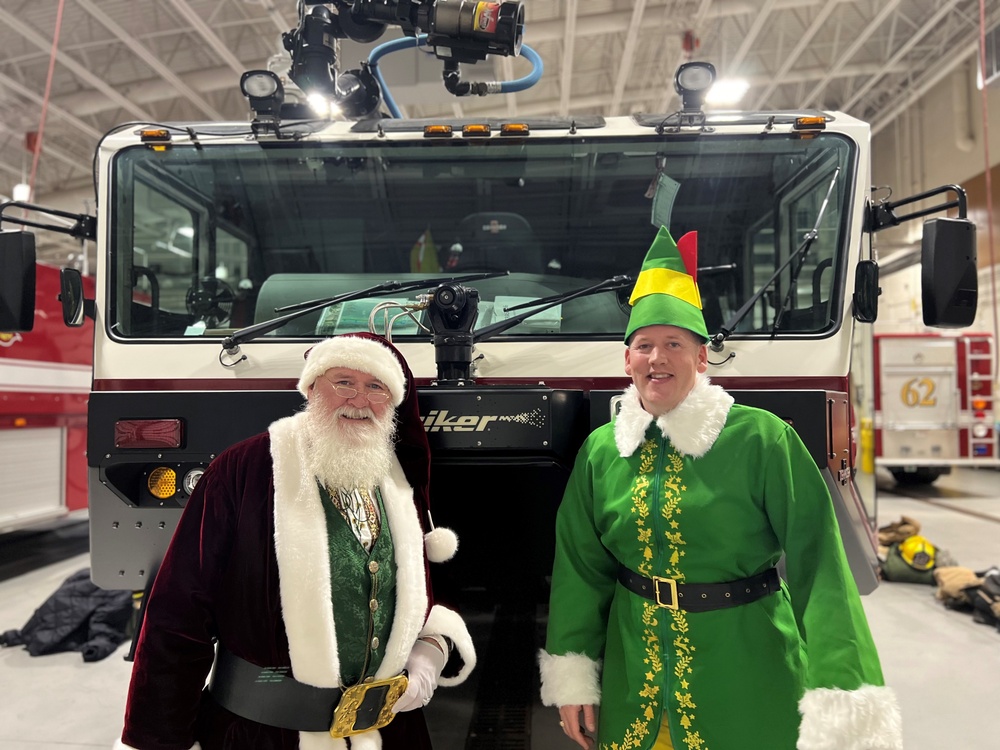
{"x": 700, "y": 597}
{"x": 269, "y": 695}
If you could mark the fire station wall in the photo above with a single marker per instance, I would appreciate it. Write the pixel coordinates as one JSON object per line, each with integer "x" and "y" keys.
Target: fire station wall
{"x": 938, "y": 140}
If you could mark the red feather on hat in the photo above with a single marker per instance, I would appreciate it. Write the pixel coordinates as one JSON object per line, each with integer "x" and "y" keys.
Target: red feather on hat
{"x": 687, "y": 246}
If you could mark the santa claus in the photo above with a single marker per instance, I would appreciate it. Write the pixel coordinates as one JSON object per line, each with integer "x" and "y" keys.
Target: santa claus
{"x": 293, "y": 607}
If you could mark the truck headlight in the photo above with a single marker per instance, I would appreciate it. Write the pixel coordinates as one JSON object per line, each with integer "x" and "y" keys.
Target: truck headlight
{"x": 191, "y": 479}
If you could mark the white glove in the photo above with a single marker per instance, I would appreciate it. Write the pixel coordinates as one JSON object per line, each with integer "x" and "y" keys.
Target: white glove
{"x": 423, "y": 670}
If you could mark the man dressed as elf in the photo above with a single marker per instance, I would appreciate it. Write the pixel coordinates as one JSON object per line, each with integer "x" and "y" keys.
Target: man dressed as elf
{"x": 667, "y": 613}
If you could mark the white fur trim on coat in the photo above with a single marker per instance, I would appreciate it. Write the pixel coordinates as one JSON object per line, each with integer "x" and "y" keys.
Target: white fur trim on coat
{"x": 569, "y": 679}
{"x": 864, "y": 719}
{"x": 302, "y": 551}
{"x": 444, "y": 621}
{"x": 365, "y": 355}
{"x": 692, "y": 426}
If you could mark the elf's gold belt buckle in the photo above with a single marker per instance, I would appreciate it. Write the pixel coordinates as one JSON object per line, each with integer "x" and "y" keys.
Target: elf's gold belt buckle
{"x": 671, "y": 584}
{"x": 367, "y": 706}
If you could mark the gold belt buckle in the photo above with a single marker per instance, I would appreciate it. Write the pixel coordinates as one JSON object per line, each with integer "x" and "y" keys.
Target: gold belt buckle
{"x": 345, "y": 715}
{"x": 672, "y": 586}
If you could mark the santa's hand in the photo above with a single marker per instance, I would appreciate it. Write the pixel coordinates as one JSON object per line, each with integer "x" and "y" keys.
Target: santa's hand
{"x": 423, "y": 670}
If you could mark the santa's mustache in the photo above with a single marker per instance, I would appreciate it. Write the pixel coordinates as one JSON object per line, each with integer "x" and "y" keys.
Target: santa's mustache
{"x": 354, "y": 413}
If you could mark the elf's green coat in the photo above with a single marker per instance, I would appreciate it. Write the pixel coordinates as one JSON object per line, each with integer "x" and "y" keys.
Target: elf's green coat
{"x": 709, "y": 492}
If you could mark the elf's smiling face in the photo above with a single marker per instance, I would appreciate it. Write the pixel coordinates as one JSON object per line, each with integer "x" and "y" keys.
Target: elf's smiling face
{"x": 664, "y": 362}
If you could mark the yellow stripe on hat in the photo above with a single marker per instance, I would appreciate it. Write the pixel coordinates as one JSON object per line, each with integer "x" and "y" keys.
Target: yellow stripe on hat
{"x": 666, "y": 281}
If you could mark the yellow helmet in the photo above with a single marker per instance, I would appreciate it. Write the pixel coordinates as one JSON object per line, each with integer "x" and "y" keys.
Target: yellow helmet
{"x": 917, "y": 552}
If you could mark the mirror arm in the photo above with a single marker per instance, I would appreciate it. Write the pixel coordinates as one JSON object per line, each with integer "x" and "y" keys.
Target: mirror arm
{"x": 84, "y": 226}
{"x": 882, "y": 215}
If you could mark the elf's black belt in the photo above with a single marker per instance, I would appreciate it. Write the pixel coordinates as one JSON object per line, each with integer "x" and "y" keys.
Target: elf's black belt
{"x": 268, "y": 695}
{"x": 700, "y": 597}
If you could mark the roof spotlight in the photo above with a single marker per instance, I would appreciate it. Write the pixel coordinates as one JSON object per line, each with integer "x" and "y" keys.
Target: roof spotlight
{"x": 692, "y": 82}
{"x": 265, "y": 93}
{"x": 312, "y": 48}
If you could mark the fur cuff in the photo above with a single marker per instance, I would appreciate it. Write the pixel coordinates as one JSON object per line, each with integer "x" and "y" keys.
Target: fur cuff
{"x": 569, "y": 680}
{"x": 444, "y": 621}
{"x": 864, "y": 719}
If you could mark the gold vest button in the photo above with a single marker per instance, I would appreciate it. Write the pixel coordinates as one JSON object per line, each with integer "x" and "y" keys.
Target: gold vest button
{"x": 373, "y": 566}
{"x": 373, "y": 605}
{"x": 375, "y": 642}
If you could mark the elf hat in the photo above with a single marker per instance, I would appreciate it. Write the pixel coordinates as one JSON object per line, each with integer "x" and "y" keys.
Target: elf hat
{"x": 666, "y": 292}
{"x": 364, "y": 354}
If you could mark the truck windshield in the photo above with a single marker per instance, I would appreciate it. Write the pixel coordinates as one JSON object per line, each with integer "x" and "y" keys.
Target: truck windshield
{"x": 211, "y": 239}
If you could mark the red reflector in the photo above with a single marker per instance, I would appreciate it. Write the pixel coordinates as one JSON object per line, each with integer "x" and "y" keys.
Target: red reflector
{"x": 148, "y": 433}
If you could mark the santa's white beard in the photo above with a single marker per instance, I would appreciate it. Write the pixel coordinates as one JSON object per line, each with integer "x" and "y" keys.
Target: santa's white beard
{"x": 348, "y": 453}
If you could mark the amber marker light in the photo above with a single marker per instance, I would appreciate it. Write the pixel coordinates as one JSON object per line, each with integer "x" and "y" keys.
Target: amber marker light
{"x": 157, "y": 139}
{"x": 437, "y": 131}
{"x": 477, "y": 130}
{"x": 514, "y": 128}
{"x": 162, "y": 482}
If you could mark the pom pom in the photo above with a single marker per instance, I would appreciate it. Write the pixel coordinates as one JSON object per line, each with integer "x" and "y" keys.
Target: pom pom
{"x": 441, "y": 544}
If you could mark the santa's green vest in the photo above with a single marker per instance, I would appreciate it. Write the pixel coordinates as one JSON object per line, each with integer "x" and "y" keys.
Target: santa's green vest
{"x": 363, "y": 587}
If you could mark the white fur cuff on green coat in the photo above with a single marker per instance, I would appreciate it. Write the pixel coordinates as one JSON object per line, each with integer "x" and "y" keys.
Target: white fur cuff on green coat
{"x": 864, "y": 719}
{"x": 569, "y": 680}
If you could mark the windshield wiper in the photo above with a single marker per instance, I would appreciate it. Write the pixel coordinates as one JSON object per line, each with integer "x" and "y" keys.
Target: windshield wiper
{"x": 401, "y": 286}
{"x": 726, "y": 330}
{"x": 231, "y": 344}
{"x": 538, "y": 305}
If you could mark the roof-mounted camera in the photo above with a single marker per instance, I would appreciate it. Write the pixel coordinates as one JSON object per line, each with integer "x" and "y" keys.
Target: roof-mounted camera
{"x": 459, "y": 31}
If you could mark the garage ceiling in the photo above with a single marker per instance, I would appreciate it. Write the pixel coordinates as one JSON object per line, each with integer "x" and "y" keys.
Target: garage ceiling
{"x": 170, "y": 60}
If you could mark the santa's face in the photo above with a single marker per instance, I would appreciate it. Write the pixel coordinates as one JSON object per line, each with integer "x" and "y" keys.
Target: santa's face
{"x": 353, "y": 397}
{"x": 351, "y": 436}
{"x": 664, "y": 362}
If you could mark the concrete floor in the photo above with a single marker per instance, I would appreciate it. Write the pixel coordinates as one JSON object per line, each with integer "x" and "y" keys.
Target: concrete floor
{"x": 944, "y": 666}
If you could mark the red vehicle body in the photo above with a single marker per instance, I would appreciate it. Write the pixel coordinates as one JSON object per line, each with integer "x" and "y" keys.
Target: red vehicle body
{"x": 45, "y": 378}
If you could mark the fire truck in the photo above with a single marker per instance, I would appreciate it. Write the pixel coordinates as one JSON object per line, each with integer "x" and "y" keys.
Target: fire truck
{"x": 45, "y": 379}
{"x": 498, "y": 253}
{"x": 934, "y": 404}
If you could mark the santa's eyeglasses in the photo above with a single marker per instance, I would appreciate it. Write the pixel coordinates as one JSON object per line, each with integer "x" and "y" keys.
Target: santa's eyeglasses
{"x": 376, "y": 397}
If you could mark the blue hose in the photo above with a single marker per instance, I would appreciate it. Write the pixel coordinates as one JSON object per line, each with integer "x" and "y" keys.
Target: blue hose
{"x": 520, "y": 84}
{"x": 506, "y": 87}
{"x": 384, "y": 49}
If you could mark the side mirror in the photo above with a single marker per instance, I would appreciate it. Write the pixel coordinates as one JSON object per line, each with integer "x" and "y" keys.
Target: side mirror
{"x": 948, "y": 282}
{"x": 17, "y": 281}
{"x": 866, "y": 291}
{"x": 71, "y": 297}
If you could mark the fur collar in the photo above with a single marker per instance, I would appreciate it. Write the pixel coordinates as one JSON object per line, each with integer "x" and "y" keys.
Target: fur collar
{"x": 691, "y": 427}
